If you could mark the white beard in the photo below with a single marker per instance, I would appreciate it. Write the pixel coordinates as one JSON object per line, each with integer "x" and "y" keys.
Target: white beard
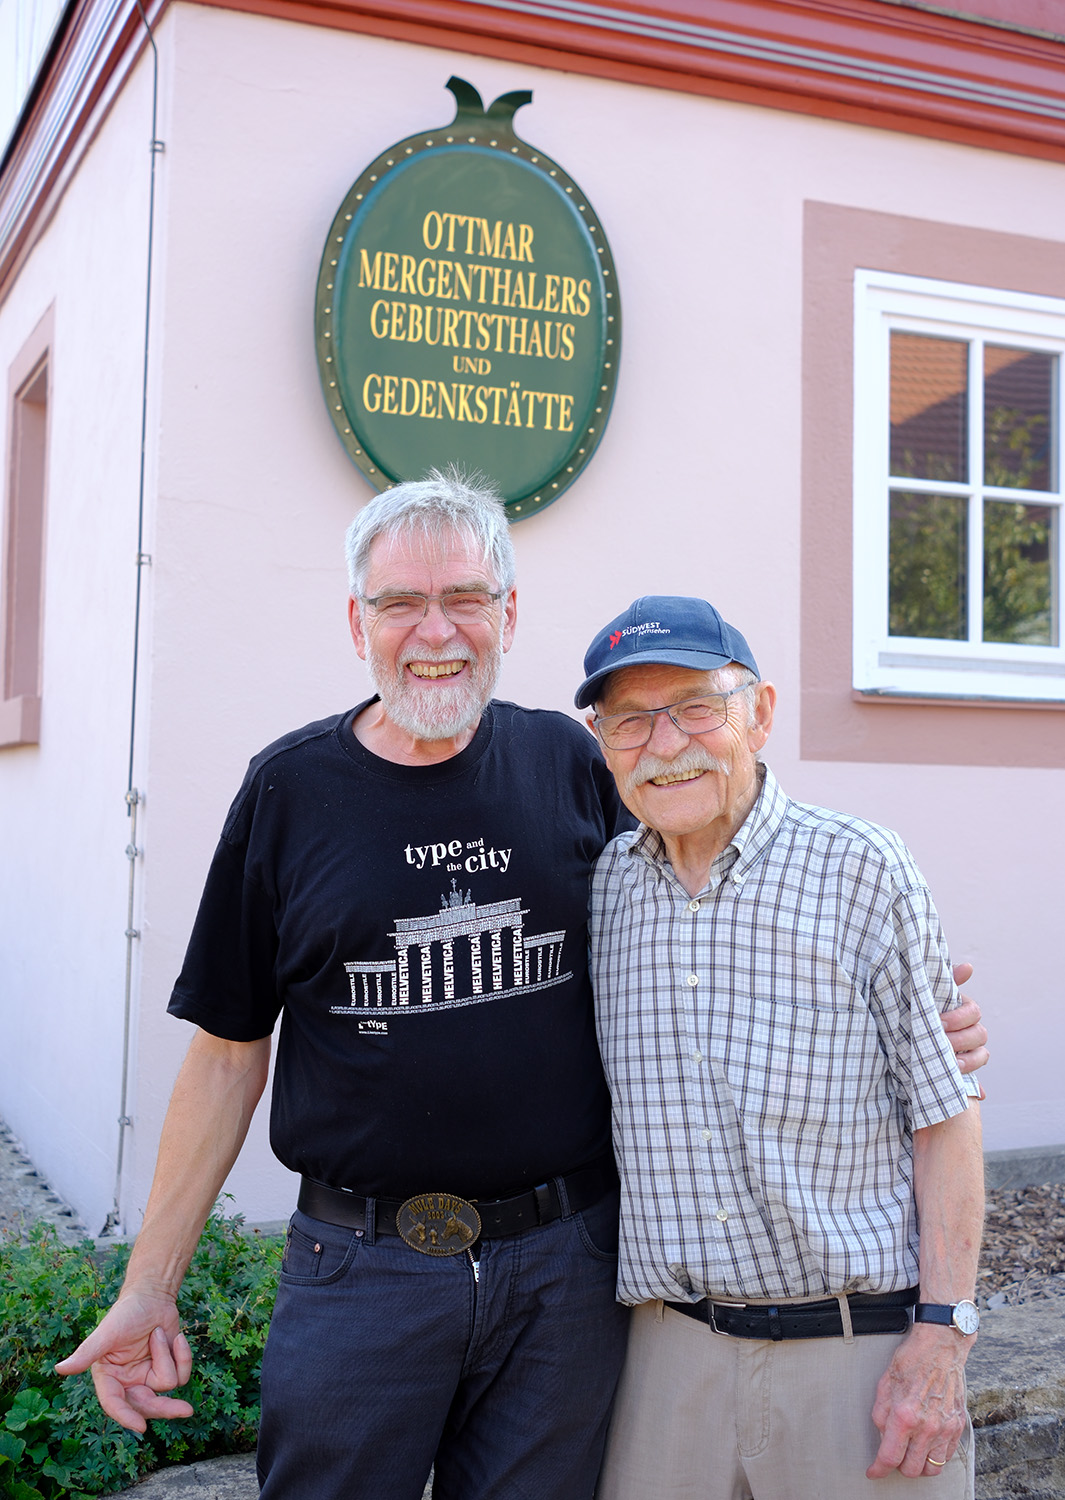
{"x": 436, "y": 710}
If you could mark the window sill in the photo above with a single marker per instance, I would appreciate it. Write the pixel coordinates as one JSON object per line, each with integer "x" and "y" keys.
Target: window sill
{"x": 955, "y": 700}
{"x": 20, "y": 721}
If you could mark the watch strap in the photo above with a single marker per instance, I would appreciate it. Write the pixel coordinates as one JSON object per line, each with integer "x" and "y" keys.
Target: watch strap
{"x": 934, "y": 1312}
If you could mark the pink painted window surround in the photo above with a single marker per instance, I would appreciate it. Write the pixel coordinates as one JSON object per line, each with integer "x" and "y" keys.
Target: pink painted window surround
{"x": 839, "y": 722}
{"x": 22, "y": 582}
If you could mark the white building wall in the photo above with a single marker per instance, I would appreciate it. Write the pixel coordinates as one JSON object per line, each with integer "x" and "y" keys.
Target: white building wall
{"x": 695, "y": 489}
{"x": 63, "y": 874}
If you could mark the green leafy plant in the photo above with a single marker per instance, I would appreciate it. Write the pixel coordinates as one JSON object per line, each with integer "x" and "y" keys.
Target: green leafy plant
{"x": 54, "y": 1439}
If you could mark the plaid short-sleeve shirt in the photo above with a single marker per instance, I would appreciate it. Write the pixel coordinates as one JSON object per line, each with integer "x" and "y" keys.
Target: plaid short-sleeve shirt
{"x": 771, "y": 1045}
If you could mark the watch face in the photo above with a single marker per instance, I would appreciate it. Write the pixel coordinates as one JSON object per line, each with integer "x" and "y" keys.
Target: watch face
{"x": 966, "y": 1317}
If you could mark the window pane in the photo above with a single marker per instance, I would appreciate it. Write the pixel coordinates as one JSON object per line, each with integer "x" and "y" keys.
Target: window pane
{"x": 928, "y": 566}
{"x": 1019, "y": 582}
{"x": 929, "y": 402}
{"x": 1018, "y": 418}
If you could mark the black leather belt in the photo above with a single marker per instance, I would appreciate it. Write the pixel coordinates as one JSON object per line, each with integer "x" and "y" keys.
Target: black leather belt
{"x": 500, "y": 1217}
{"x": 871, "y": 1312}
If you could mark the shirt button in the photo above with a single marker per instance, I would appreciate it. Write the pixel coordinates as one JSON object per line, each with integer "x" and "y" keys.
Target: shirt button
{"x": 707, "y": 1135}
{"x": 693, "y": 905}
{"x": 697, "y": 1057}
{"x": 721, "y": 1214}
{"x": 693, "y": 980}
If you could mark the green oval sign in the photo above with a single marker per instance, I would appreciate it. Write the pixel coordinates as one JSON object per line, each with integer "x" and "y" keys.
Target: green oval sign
{"x": 467, "y": 311}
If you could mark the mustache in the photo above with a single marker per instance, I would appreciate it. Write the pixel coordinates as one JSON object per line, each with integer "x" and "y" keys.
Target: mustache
{"x": 694, "y": 758}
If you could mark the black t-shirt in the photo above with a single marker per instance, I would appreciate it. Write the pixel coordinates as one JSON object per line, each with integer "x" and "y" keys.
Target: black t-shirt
{"x": 422, "y": 929}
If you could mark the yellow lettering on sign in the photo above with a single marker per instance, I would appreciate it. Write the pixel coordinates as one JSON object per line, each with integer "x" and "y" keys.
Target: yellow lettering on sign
{"x": 426, "y": 291}
{"x": 490, "y": 242}
{"x": 382, "y": 332}
{"x": 375, "y": 403}
{"x": 370, "y": 275}
{"x": 429, "y": 227}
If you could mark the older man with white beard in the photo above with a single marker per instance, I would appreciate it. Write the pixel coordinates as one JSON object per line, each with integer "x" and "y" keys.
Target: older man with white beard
{"x": 406, "y": 886}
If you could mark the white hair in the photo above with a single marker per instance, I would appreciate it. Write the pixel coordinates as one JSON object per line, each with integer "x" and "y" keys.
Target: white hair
{"x": 440, "y": 505}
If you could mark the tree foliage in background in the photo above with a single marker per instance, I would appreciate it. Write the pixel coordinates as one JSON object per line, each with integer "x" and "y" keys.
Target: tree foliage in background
{"x": 54, "y": 1439}
{"x": 928, "y": 548}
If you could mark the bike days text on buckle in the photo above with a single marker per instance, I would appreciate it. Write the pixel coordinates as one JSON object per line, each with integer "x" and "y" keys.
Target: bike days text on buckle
{"x": 438, "y": 1223}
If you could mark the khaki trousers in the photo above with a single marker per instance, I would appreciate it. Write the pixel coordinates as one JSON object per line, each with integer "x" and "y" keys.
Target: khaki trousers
{"x": 701, "y": 1416}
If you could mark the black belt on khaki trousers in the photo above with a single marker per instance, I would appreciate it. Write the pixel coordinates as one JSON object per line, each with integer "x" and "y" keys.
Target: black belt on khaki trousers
{"x": 870, "y": 1312}
{"x": 499, "y": 1217}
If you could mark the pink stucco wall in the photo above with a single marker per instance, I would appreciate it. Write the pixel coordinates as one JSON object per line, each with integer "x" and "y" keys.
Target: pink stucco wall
{"x": 696, "y": 489}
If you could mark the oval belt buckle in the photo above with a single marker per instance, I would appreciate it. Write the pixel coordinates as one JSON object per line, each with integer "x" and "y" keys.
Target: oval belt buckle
{"x": 438, "y": 1223}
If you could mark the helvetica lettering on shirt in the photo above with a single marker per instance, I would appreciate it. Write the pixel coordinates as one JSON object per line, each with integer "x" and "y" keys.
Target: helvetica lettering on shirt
{"x": 466, "y": 953}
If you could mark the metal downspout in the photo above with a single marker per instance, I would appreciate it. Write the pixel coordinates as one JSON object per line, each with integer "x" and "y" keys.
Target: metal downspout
{"x": 133, "y": 797}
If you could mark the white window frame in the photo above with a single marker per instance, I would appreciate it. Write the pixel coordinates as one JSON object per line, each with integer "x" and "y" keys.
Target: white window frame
{"x": 908, "y": 666}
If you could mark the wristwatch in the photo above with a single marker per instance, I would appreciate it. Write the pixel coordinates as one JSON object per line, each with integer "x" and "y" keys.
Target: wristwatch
{"x": 964, "y": 1316}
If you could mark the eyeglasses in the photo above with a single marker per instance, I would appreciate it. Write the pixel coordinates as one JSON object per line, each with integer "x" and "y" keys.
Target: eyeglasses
{"x": 464, "y": 607}
{"x": 691, "y": 716}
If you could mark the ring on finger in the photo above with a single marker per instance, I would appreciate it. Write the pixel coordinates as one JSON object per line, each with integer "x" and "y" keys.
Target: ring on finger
{"x": 939, "y": 1462}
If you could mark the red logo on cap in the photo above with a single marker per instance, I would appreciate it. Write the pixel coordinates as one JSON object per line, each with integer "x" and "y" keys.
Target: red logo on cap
{"x": 614, "y": 639}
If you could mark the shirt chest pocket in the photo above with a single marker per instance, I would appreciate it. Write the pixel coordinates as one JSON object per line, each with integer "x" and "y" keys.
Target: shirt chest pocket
{"x": 792, "y": 1067}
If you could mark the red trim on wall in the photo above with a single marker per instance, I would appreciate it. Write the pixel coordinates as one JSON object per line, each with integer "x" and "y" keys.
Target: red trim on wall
{"x": 869, "y": 62}
{"x": 942, "y": 50}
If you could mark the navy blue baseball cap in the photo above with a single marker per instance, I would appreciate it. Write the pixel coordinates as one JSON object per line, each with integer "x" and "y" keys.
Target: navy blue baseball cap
{"x": 666, "y": 630}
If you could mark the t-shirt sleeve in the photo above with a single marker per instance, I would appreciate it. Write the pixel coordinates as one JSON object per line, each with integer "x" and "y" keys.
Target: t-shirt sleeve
{"x": 911, "y": 989}
{"x": 228, "y": 983}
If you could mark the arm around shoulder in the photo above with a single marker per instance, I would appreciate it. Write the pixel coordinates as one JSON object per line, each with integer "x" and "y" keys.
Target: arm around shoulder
{"x": 139, "y": 1350}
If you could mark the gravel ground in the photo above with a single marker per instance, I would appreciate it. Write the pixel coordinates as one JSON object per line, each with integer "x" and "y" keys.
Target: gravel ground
{"x": 1023, "y": 1256}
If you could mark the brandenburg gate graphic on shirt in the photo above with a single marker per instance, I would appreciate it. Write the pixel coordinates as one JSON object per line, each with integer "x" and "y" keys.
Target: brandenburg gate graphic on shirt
{"x": 464, "y": 954}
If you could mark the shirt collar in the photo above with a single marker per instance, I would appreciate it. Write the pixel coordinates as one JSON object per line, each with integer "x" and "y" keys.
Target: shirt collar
{"x": 747, "y": 845}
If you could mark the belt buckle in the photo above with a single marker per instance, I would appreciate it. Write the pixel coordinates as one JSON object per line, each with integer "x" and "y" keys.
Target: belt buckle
{"x": 438, "y": 1223}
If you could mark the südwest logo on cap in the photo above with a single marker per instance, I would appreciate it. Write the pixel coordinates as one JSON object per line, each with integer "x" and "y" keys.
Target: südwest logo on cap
{"x": 649, "y": 627}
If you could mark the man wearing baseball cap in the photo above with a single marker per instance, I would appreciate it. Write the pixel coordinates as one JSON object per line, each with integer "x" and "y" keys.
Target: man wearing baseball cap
{"x": 802, "y": 1180}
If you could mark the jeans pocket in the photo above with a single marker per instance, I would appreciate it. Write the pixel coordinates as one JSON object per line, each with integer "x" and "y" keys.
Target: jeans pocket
{"x": 598, "y": 1226}
{"x": 317, "y": 1254}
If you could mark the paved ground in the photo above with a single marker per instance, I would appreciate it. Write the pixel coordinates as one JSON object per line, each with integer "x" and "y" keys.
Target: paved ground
{"x": 25, "y": 1197}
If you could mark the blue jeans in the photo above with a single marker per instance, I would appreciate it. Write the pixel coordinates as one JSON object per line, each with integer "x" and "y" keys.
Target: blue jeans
{"x": 381, "y": 1361}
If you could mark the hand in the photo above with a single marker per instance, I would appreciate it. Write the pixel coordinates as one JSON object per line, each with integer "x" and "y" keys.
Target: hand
{"x": 136, "y": 1352}
{"x": 964, "y": 1032}
{"x": 920, "y": 1403}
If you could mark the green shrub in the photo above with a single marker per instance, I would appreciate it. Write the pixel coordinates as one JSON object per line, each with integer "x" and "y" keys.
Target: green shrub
{"x": 54, "y": 1439}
